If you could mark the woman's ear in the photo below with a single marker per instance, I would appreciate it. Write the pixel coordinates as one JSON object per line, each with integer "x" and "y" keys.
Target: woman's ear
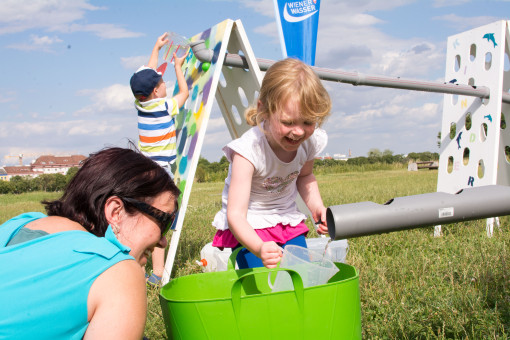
{"x": 113, "y": 210}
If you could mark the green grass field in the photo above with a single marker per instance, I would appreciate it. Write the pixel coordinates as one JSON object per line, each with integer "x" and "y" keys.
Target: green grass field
{"x": 412, "y": 285}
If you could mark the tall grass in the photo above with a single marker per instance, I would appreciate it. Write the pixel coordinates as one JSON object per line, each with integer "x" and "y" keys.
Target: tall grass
{"x": 13, "y": 204}
{"x": 412, "y": 285}
{"x": 344, "y": 167}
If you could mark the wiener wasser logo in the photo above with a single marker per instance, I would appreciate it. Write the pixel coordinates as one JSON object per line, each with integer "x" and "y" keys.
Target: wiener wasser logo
{"x": 297, "y": 11}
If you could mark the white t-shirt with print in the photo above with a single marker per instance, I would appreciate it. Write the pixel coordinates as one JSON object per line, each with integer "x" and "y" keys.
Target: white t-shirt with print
{"x": 273, "y": 185}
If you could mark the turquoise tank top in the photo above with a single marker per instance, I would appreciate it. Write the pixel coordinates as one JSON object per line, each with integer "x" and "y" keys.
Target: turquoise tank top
{"x": 45, "y": 282}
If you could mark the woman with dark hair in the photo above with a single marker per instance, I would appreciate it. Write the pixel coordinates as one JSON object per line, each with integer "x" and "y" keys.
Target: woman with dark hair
{"x": 77, "y": 272}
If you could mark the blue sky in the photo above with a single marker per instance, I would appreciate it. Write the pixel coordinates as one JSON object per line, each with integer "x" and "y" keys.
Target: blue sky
{"x": 66, "y": 66}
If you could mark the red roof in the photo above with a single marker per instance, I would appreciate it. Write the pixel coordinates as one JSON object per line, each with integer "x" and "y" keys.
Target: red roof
{"x": 20, "y": 170}
{"x": 65, "y": 161}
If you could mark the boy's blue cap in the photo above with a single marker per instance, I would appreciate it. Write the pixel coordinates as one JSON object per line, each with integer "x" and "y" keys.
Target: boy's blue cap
{"x": 144, "y": 81}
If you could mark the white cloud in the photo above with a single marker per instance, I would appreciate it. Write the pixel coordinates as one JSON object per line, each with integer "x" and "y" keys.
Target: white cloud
{"x": 402, "y": 121}
{"x": 270, "y": 30}
{"x": 449, "y": 3}
{"x": 216, "y": 123}
{"x": 7, "y": 96}
{"x": 37, "y": 43}
{"x": 133, "y": 63}
{"x": 93, "y": 128}
{"x": 466, "y": 23}
{"x": 214, "y": 142}
{"x": 18, "y": 16}
{"x": 84, "y": 135}
{"x": 116, "y": 98}
{"x": 104, "y": 31}
{"x": 55, "y": 16}
{"x": 263, "y": 7}
{"x": 416, "y": 60}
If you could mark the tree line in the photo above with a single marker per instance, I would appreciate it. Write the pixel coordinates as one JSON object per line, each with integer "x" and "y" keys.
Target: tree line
{"x": 217, "y": 171}
{"x": 376, "y": 159}
{"x": 45, "y": 182}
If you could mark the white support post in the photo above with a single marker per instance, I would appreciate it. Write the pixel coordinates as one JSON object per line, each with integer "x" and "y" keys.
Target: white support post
{"x": 192, "y": 123}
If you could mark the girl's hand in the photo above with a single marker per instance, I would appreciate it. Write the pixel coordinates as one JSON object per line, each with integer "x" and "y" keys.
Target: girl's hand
{"x": 320, "y": 221}
{"x": 270, "y": 254}
{"x": 322, "y": 228}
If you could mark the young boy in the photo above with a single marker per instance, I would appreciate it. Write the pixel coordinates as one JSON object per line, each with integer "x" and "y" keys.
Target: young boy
{"x": 156, "y": 124}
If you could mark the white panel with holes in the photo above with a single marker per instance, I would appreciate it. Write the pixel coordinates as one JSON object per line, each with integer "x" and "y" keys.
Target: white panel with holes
{"x": 474, "y": 133}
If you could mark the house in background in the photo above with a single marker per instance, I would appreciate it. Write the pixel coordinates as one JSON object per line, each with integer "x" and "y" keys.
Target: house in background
{"x": 3, "y": 174}
{"x": 49, "y": 164}
{"x": 46, "y": 164}
{"x": 17, "y": 170}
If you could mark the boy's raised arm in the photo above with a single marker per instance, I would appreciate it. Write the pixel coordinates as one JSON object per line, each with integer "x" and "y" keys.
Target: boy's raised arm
{"x": 153, "y": 61}
{"x": 183, "y": 93}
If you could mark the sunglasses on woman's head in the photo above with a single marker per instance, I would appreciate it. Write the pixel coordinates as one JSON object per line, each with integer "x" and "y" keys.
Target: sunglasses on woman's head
{"x": 165, "y": 220}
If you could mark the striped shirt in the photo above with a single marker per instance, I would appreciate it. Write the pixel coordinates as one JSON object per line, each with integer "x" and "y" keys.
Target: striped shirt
{"x": 156, "y": 129}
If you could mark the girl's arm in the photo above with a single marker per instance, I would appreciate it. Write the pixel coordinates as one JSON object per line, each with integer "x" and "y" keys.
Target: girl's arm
{"x": 117, "y": 303}
{"x": 237, "y": 208}
{"x": 309, "y": 190}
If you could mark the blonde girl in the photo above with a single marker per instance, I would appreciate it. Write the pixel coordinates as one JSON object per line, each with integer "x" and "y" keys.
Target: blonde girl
{"x": 271, "y": 163}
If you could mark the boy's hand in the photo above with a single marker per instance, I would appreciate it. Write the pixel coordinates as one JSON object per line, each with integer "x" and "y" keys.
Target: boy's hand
{"x": 162, "y": 40}
{"x": 179, "y": 61}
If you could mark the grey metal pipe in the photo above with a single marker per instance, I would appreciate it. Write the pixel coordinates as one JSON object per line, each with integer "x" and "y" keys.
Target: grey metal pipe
{"x": 401, "y": 213}
{"x": 234, "y": 60}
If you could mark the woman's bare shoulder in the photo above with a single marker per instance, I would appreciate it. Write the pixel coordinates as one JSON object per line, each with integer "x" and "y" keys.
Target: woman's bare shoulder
{"x": 118, "y": 297}
{"x": 54, "y": 224}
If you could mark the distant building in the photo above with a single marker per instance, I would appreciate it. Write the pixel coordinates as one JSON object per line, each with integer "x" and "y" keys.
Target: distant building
{"x": 323, "y": 157}
{"x": 46, "y": 164}
{"x": 339, "y": 157}
{"x": 49, "y": 164}
{"x": 3, "y": 174}
{"x": 18, "y": 170}
{"x": 336, "y": 156}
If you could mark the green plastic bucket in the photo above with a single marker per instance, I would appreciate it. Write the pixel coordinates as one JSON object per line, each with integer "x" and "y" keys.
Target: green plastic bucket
{"x": 239, "y": 304}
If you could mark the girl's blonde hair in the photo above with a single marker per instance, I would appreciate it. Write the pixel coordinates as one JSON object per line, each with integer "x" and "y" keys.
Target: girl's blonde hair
{"x": 291, "y": 79}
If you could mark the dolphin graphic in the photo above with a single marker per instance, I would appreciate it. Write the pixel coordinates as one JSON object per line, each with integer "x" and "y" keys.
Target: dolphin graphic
{"x": 489, "y": 117}
{"x": 288, "y": 17}
{"x": 453, "y": 81}
{"x": 490, "y": 37}
{"x": 458, "y": 139}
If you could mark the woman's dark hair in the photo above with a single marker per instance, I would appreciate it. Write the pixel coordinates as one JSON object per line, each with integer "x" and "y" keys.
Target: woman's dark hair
{"x": 110, "y": 172}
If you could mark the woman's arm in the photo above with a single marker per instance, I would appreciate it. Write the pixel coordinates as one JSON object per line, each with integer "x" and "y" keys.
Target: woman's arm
{"x": 309, "y": 190}
{"x": 117, "y": 303}
{"x": 237, "y": 208}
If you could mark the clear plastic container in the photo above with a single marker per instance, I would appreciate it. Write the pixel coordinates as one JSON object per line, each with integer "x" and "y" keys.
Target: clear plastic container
{"x": 178, "y": 44}
{"x": 336, "y": 252}
{"x": 222, "y": 258}
{"x": 313, "y": 267}
{"x": 213, "y": 259}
